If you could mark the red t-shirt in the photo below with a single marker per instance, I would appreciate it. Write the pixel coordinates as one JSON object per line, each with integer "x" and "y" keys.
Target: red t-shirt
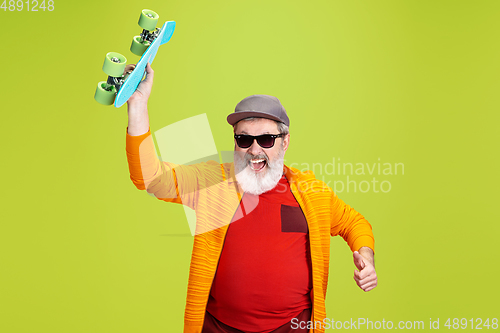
{"x": 263, "y": 278}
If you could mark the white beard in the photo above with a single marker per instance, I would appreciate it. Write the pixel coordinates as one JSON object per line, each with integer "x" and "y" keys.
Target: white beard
{"x": 258, "y": 183}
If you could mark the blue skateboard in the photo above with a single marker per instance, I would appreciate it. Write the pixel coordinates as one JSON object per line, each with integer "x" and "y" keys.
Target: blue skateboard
{"x": 120, "y": 86}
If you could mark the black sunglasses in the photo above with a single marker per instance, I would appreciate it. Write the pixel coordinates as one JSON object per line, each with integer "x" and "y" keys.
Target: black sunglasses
{"x": 265, "y": 140}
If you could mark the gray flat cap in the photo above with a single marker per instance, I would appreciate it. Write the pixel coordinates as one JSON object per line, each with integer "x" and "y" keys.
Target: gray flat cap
{"x": 261, "y": 106}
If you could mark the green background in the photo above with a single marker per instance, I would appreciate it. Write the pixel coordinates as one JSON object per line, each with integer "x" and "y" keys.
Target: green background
{"x": 413, "y": 82}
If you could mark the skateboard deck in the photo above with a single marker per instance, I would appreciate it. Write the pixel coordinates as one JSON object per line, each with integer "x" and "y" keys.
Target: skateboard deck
{"x": 133, "y": 79}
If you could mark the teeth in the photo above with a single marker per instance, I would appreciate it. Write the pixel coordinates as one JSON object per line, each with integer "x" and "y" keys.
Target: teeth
{"x": 257, "y": 161}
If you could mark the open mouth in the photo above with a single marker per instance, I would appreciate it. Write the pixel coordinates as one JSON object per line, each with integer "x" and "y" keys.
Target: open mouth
{"x": 257, "y": 165}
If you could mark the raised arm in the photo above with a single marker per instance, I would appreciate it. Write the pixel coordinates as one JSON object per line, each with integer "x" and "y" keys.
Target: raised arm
{"x": 147, "y": 172}
{"x": 166, "y": 181}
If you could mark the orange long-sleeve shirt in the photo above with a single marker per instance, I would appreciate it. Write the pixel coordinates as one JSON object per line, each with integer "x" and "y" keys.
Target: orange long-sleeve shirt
{"x": 212, "y": 191}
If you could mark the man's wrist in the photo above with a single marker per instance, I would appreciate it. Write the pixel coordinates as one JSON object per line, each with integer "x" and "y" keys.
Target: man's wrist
{"x": 367, "y": 253}
{"x": 135, "y": 107}
{"x": 138, "y": 119}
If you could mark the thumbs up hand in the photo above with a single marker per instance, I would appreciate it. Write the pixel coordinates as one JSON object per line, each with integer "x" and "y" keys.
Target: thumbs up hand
{"x": 365, "y": 276}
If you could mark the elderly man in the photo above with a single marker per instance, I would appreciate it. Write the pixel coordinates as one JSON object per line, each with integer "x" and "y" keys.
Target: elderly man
{"x": 261, "y": 251}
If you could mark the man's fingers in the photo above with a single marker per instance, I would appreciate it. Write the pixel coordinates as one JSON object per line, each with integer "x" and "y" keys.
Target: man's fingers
{"x": 365, "y": 275}
{"x": 129, "y": 68}
{"x": 366, "y": 272}
{"x": 368, "y": 289}
{"x": 368, "y": 286}
{"x": 362, "y": 280}
{"x": 367, "y": 279}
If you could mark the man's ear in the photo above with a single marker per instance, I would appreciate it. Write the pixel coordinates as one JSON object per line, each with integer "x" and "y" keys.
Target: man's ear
{"x": 286, "y": 141}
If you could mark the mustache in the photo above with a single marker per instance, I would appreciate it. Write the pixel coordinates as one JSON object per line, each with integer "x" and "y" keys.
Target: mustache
{"x": 249, "y": 157}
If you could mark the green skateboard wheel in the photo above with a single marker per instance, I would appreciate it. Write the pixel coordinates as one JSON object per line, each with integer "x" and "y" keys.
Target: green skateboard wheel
{"x": 103, "y": 96}
{"x": 114, "y": 64}
{"x": 139, "y": 46}
{"x": 148, "y": 19}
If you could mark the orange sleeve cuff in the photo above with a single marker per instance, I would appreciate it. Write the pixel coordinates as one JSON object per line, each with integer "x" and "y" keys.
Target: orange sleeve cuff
{"x": 133, "y": 142}
{"x": 361, "y": 241}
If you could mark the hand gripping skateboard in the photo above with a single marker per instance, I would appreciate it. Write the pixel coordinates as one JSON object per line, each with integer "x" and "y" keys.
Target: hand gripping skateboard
{"x": 119, "y": 86}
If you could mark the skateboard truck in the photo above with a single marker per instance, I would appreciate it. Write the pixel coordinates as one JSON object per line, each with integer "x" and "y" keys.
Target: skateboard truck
{"x": 147, "y": 21}
{"x": 114, "y": 82}
{"x": 114, "y": 67}
{"x": 149, "y": 36}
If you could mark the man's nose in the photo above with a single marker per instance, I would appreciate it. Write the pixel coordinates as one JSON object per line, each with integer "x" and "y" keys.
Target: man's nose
{"x": 255, "y": 149}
